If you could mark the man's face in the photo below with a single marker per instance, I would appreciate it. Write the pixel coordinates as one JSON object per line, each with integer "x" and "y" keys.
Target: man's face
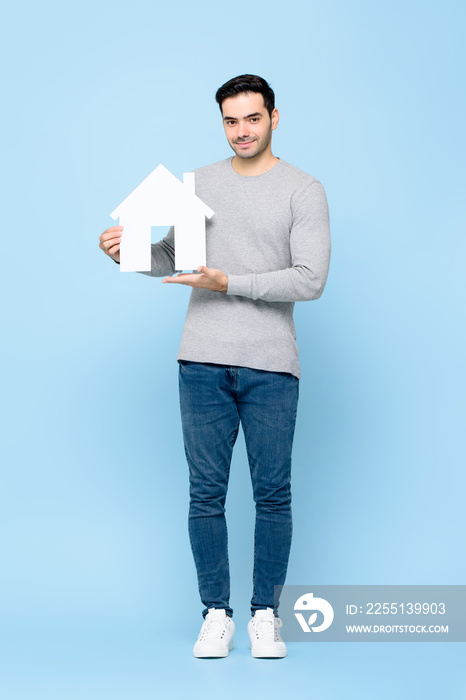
{"x": 248, "y": 126}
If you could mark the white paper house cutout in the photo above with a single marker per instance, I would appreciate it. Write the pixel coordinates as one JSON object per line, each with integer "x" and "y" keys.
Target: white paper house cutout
{"x": 162, "y": 200}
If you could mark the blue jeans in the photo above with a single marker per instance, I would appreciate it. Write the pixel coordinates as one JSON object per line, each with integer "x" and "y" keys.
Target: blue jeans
{"x": 214, "y": 399}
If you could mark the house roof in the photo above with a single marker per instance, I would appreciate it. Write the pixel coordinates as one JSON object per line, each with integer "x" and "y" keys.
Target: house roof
{"x": 158, "y": 180}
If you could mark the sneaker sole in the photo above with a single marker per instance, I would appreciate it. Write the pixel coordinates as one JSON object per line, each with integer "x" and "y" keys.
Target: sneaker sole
{"x": 268, "y": 654}
{"x": 213, "y": 653}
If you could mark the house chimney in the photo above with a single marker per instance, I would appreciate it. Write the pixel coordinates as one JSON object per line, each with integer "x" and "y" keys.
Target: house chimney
{"x": 188, "y": 182}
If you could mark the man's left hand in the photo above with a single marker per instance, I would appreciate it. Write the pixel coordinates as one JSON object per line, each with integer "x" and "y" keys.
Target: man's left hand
{"x": 205, "y": 278}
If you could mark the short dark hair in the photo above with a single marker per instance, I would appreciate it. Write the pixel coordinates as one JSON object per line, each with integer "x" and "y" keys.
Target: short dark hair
{"x": 247, "y": 83}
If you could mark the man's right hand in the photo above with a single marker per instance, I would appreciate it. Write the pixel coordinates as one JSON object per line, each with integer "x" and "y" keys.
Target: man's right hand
{"x": 110, "y": 242}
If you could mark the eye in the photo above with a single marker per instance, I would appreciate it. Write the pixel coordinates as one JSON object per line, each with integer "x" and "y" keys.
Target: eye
{"x": 254, "y": 119}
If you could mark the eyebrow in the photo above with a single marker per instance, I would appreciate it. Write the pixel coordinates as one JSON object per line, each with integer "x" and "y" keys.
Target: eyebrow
{"x": 255, "y": 114}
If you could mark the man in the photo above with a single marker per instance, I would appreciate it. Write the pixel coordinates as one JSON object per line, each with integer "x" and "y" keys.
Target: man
{"x": 268, "y": 245}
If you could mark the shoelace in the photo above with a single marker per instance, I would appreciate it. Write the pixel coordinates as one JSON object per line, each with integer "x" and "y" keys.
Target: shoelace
{"x": 213, "y": 629}
{"x": 267, "y": 629}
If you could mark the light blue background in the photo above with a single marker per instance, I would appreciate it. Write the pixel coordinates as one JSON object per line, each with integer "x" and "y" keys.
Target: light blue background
{"x": 98, "y": 592}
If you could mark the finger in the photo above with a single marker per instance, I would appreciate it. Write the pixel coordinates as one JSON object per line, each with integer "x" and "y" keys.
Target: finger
{"x": 110, "y": 234}
{"x": 209, "y": 272}
{"x": 114, "y": 249}
{"x": 106, "y": 245}
{"x": 114, "y": 239}
{"x": 186, "y": 274}
{"x": 183, "y": 278}
{"x": 176, "y": 280}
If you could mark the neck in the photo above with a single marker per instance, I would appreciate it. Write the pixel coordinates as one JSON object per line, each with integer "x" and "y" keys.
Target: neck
{"x": 254, "y": 166}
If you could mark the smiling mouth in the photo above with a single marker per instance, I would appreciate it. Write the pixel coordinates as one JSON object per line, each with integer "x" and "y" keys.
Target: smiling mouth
{"x": 244, "y": 143}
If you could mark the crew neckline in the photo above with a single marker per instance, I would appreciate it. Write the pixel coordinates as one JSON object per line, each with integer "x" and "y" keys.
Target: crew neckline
{"x": 252, "y": 177}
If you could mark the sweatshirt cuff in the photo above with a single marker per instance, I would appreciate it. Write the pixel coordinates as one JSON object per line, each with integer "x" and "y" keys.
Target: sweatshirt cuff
{"x": 239, "y": 285}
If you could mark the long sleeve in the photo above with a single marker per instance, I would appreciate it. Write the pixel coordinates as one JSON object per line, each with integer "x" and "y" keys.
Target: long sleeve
{"x": 162, "y": 256}
{"x": 310, "y": 256}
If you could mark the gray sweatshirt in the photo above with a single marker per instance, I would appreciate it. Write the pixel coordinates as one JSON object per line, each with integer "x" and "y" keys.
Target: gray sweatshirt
{"x": 270, "y": 235}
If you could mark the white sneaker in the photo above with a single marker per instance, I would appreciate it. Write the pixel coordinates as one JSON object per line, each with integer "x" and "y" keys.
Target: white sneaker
{"x": 266, "y": 641}
{"x": 216, "y": 636}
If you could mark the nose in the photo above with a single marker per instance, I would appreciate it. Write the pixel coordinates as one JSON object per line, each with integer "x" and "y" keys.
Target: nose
{"x": 243, "y": 130}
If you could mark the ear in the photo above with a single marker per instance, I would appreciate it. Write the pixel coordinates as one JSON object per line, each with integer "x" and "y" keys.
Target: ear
{"x": 275, "y": 118}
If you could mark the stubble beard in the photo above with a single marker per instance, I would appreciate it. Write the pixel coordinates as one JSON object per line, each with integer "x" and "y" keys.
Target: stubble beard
{"x": 261, "y": 149}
